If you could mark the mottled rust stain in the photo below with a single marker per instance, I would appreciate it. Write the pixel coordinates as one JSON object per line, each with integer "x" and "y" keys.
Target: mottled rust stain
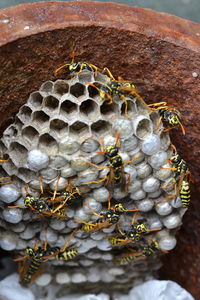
{"x": 157, "y": 51}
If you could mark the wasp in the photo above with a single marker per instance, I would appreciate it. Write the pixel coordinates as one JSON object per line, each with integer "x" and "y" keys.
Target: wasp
{"x": 5, "y": 180}
{"x": 145, "y": 251}
{"x": 116, "y": 175}
{"x": 77, "y": 67}
{"x": 117, "y": 88}
{"x": 71, "y": 196}
{"x": 136, "y": 233}
{"x": 182, "y": 177}
{"x": 41, "y": 204}
{"x": 106, "y": 219}
{"x": 38, "y": 255}
{"x": 170, "y": 117}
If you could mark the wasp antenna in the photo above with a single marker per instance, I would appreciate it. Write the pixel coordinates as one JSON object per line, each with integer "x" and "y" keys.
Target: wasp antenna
{"x": 41, "y": 186}
{"x": 182, "y": 128}
{"x": 20, "y": 258}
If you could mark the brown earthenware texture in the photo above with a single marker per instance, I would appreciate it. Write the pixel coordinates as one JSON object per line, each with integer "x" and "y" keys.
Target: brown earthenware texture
{"x": 159, "y": 52}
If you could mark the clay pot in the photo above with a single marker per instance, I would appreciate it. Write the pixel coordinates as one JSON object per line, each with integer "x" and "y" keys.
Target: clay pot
{"x": 159, "y": 52}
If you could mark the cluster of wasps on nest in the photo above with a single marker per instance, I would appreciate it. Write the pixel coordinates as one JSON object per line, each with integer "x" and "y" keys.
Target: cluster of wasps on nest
{"x": 134, "y": 244}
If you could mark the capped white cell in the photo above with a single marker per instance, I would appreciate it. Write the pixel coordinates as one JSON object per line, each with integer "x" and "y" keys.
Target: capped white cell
{"x": 138, "y": 195}
{"x": 104, "y": 245}
{"x": 124, "y": 127}
{"x": 43, "y": 279}
{"x": 89, "y": 145}
{"x": 9, "y": 193}
{"x": 63, "y": 278}
{"x": 69, "y": 145}
{"x": 57, "y": 162}
{"x": 57, "y": 224}
{"x": 48, "y": 235}
{"x": 97, "y": 235}
{"x": 167, "y": 243}
{"x": 163, "y": 173}
{"x": 93, "y": 204}
{"x": 145, "y": 205}
{"x": 12, "y": 215}
{"x": 143, "y": 170}
{"x": 81, "y": 214}
{"x": 88, "y": 175}
{"x": 17, "y": 228}
{"x": 151, "y": 144}
{"x": 151, "y": 184}
{"x": 158, "y": 159}
{"x": 130, "y": 144}
{"x": 37, "y": 160}
{"x": 86, "y": 262}
{"x": 172, "y": 221}
{"x": 94, "y": 276}
{"x": 49, "y": 174}
{"x": 155, "y": 194}
{"x": 163, "y": 208}
{"x": 98, "y": 158}
{"x": 67, "y": 172}
{"x": 60, "y": 184}
{"x": 131, "y": 172}
{"x": 134, "y": 186}
{"x": 27, "y": 234}
{"x": 101, "y": 194}
{"x": 116, "y": 271}
{"x": 8, "y": 241}
{"x": 78, "y": 278}
{"x": 79, "y": 164}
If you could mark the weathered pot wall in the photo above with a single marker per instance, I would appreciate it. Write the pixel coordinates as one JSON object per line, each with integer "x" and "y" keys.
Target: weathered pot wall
{"x": 159, "y": 52}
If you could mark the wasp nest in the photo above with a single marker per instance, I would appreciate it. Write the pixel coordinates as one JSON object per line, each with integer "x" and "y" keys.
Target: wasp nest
{"x": 58, "y": 130}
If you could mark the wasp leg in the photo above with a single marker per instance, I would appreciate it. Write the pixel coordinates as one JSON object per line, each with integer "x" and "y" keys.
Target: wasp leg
{"x": 95, "y": 181}
{"x": 158, "y": 124}
{"x": 106, "y": 70}
{"x": 168, "y": 197}
{"x": 5, "y": 178}
{"x": 96, "y": 69}
{"x": 92, "y": 210}
{"x": 96, "y": 166}
{"x": 132, "y": 160}
{"x": 126, "y": 106}
{"x": 58, "y": 69}
{"x": 159, "y": 104}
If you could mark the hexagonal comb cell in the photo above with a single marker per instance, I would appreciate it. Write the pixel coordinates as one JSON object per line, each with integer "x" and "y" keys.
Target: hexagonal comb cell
{"x": 40, "y": 117}
{"x": 10, "y": 132}
{"x": 61, "y": 87}
{"x": 48, "y": 143}
{"x": 89, "y": 109}
{"x": 17, "y": 153}
{"x": 36, "y": 99}
{"x": 79, "y": 128}
{"x": 25, "y": 113}
{"x": 68, "y": 108}
{"x": 100, "y": 127}
{"x": 51, "y": 103}
{"x": 47, "y": 87}
{"x": 58, "y": 126}
{"x": 92, "y": 91}
{"x": 77, "y": 90}
{"x": 30, "y": 133}
{"x": 85, "y": 76}
{"x": 108, "y": 110}
{"x": 131, "y": 108}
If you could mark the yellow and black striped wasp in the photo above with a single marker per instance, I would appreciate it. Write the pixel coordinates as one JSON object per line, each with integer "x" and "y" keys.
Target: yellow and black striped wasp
{"x": 77, "y": 67}
{"x": 3, "y": 159}
{"x": 116, "y": 175}
{"x": 38, "y": 255}
{"x": 42, "y": 204}
{"x": 141, "y": 253}
{"x": 134, "y": 235}
{"x": 170, "y": 117}
{"x": 182, "y": 178}
{"x": 117, "y": 88}
{"x": 106, "y": 219}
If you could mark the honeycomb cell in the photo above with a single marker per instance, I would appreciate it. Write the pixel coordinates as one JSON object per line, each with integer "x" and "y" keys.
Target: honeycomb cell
{"x": 89, "y": 109}
{"x": 10, "y": 132}
{"x": 85, "y": 76}
{"x": 25, "y": 174}
{"x": 25, "y": 113}
{"x": 61, "y": 87}
{"x": 100, "y": 127}
{"x": 165, "y": 141}
{"x": 68, "y": 109}
{"x": 108, "y": 110}
{"x": 77, "y": 90}
{"x": 154, "y": 116}
{"x": 48, "y": 143}
{"x": 142, "y": 127}
{"x": 30, "y": 133}
{"x": 131, "y": 108}
{"x": 58, "y": 126}
{"x": 47, "y": 87}
{"x": 89, "y": 145}
{"x": 79, "y": 128}
{"x": 17, "y": 152}
{"x": 36, "y": 99}
{"x": 51, "y": 103}
{"x": 92, "y": 91}
{"x": 40, "y": 118}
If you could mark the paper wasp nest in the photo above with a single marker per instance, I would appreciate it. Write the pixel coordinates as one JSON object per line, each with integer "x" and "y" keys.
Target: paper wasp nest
{"x": 54, "y": 134}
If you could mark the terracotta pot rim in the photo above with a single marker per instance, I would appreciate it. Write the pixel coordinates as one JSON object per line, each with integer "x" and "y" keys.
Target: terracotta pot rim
{"x": 27, "y": 19}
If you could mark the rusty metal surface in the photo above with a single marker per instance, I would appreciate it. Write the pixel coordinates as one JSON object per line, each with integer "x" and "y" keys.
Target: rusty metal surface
{"x": 160, "y": 52}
